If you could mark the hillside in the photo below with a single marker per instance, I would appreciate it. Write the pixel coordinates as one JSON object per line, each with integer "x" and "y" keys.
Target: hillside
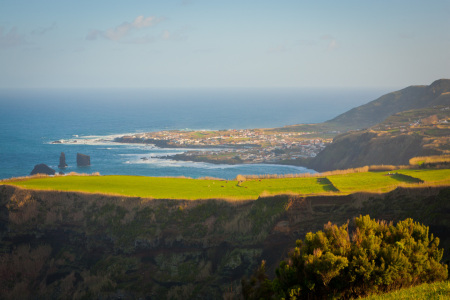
{"x": 413, "y": 97}
{"x": 54, "y": 244}
{"x": 400, "y": 137}
{"x": 376, "y": 111}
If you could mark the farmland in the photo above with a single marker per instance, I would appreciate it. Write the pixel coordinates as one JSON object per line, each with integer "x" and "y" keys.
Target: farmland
{"x": 190, "y": 189}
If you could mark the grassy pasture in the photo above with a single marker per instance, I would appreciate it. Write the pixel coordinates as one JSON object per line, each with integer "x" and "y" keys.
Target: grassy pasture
{"x": 173, "y": 188}
{"x": 367, "y": 181}
{"x": 186, "y": 188}
{"x": 431, "y": 291}
{"x": 428, "y": 175}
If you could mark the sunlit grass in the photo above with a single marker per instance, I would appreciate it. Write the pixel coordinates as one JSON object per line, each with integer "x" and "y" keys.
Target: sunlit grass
{"x": 173, "y": 188}
{"x": 428, "y": 174}
{"x": 369, "y": 181}
{"x": 436, "y": 290}
{"x": 187, "y": 188}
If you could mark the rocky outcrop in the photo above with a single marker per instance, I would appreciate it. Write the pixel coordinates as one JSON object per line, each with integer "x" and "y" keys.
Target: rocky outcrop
{"x": 62, "y": 161}
{"x": 83, "y": 160}
{"x": 42, "y": 169}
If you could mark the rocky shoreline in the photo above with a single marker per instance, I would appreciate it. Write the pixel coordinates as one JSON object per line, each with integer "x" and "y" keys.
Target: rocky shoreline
{"x": 231, "y": 148}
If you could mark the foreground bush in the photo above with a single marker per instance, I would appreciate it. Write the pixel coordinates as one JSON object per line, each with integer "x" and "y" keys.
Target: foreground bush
{"x": 377, "y": 257}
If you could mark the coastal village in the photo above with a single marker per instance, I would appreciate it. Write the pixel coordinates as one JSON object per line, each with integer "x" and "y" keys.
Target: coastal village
{"x": 251, "y": 146}
{"x": 235, "y": 146}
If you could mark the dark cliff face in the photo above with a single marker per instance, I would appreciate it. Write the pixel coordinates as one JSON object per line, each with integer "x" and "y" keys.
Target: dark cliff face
{"x": 358, "y": 149}
{"x": 56, "y": 244}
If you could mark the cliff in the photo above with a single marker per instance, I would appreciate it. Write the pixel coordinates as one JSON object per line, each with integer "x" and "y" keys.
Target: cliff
{"x": 54, "y": 244}
{"x": 358, "y": 149}
{"x": 400, "y": 137}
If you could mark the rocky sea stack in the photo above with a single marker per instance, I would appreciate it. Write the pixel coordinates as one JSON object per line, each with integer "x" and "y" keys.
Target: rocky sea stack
{"x": 83, "y": 160}
{"x": 62, "y": 161}
{"x": 42, "y": 169}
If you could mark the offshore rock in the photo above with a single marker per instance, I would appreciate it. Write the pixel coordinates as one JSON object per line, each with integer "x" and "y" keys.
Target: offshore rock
{"x": 83, "y": 160}
{"x": 62, "y": 161}
{"x": 42, "y": 169}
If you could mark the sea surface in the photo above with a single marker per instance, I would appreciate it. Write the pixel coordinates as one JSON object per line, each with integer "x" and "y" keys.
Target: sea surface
{"x": 31, "y": 119}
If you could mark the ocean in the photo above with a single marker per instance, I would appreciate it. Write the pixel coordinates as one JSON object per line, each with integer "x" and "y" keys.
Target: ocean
{"x": 31, "y": 119}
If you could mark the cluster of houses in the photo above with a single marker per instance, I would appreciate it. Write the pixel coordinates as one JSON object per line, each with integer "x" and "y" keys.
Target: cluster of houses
{"x": 249, "y": 145}
{"x": 270, "y": 154}
{"x": 227, "y": 137}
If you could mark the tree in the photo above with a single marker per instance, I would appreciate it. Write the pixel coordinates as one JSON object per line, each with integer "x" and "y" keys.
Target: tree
{"x": 377, "y": 257}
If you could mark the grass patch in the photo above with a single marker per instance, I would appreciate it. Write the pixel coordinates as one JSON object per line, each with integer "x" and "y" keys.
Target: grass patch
{"x": 429, "y": 159}
{"x": 327, "y": 184}
{"x": 172, "y": 188}
{"x": 436, "y": 290}
{"x": 428, "y": 175}
{"x": 406, "y": 178}
{"x": 369, "y": 181}
{"x": 190, "y": 189}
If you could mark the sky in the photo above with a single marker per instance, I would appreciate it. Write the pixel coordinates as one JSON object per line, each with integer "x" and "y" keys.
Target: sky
{"x": 245, "y": 43}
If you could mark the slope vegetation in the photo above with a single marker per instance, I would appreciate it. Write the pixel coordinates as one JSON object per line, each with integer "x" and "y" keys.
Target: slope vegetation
{"x": 402, "y": 136}
{"x": 413, "y": 97}
{"x": 75, "y": 245}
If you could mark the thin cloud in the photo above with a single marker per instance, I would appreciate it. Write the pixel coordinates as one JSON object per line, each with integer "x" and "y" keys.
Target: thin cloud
{"x": 12, "y": 38}
{"x": 179, "y": 35}
{"x": 305, "y": 43}
{"x": 141, "y": 40}
{"x": 125, "y": 29}
{"x": 42, "y": 31}
{"x": 278, "y": 49}
{"x": 332, "y": 42}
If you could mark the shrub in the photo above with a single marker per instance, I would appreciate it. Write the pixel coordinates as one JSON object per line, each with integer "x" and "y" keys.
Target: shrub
{"x": 377, "y": 257}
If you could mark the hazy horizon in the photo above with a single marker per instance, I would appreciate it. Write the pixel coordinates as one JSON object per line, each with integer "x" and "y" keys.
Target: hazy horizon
{"x": 210, "y": 44}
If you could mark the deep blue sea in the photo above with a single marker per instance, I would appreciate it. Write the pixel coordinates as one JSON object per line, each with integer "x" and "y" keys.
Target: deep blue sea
{"x": 31, "y": 119}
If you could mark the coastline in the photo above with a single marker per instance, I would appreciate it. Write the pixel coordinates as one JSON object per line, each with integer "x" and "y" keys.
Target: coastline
{"x": 183, "y": 157}
{"x": 236, "y": 147}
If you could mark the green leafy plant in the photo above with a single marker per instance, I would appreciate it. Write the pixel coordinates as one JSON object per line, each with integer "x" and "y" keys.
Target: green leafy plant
{"x": 377, "y": 257}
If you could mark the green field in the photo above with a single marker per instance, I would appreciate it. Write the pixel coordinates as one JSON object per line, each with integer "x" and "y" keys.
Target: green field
{"x": 436, "y": 290}
{"x": 428, "y": 175}
{"x": 368, "y": 181}
{"x": 173, "y": 188}
{"x": 185, "y": 188}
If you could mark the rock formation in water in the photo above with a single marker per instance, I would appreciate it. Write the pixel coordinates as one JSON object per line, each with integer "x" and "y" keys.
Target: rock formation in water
{"x": 83, "y": 160}
{"x": 42, "y": 169}
{"x": 62, "y": 161}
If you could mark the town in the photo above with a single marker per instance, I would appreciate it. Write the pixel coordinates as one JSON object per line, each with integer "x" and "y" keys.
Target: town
{"x": 235, "y": 146}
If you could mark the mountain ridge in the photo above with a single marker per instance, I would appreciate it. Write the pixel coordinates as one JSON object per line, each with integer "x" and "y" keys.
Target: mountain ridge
{"x": 412, "y": 97}
{"x": 415, "y": 122}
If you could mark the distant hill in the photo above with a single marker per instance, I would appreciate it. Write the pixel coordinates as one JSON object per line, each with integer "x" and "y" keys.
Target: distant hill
{"x": 414, "y": 121}
{"x": 413, "y": 97}
{"x": 402, "y": 136}
{"x": 376, "y": 111}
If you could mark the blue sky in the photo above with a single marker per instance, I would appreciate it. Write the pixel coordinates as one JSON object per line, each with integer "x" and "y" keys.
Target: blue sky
{"x": 246, "y": 43}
